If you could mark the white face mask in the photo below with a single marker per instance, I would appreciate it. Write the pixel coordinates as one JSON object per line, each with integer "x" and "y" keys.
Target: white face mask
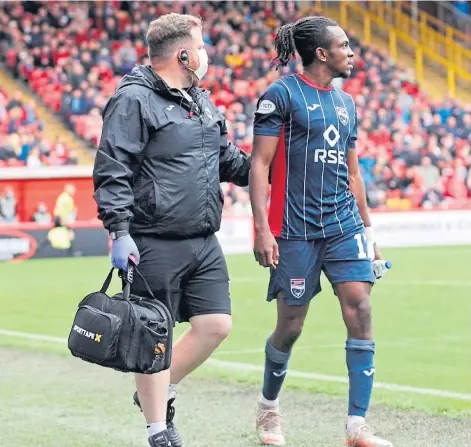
{"x": 204, "y": 64}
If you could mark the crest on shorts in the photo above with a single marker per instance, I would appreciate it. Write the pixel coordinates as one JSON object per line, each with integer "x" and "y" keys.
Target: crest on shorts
{"x": 343, "y": 115}
{"x": 298, "y": 286}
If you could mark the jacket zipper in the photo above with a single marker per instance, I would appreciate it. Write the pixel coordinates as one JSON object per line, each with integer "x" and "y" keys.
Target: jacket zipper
{"x": 205, "y": 166}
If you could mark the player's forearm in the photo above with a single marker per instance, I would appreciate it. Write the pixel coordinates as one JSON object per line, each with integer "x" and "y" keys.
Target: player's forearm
{"x": 358, "y": 190}
{"x": 258, "y": 190}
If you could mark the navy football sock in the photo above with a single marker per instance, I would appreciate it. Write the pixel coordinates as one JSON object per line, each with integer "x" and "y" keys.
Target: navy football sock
{"x": 360, "y": 355}
{"x": 276, "y": 366}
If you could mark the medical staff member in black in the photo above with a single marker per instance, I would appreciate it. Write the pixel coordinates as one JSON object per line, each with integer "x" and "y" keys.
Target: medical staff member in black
{"x": 162, "y": 155}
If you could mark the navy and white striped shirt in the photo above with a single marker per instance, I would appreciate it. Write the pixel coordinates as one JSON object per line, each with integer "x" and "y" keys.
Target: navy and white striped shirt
{"x": 317, "y": 126}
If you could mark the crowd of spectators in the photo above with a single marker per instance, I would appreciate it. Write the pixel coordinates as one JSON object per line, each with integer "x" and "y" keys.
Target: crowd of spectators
{"x": 23, "y": 141}
{"x": 414, "y": 151}
{"x": 64, "y": 209}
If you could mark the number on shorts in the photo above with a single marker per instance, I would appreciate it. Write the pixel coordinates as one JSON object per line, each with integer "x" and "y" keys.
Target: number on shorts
{"x": 360, "y": 237}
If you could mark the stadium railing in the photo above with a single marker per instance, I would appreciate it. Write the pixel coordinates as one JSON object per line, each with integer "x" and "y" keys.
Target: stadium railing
{"x": 429, "y": 48}
{"x": 446, "y": 15}
{"x": 427, "y": 31}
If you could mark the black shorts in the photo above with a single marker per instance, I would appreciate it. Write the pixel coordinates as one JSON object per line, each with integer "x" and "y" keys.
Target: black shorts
{"x": 190, "y": 274}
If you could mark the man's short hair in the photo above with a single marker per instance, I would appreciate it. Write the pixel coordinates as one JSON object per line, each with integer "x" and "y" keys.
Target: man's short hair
{"x": 167, "y": 31}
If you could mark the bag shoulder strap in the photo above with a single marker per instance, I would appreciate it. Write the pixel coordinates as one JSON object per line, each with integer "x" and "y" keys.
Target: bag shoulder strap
{"x": 146, "y": 285}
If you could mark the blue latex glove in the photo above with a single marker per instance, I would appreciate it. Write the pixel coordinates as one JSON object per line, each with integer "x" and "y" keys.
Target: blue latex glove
{"x": 121, "y": 250}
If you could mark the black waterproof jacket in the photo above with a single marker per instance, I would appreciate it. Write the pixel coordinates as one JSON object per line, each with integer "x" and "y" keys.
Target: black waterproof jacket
{"x": 161, "y": 159}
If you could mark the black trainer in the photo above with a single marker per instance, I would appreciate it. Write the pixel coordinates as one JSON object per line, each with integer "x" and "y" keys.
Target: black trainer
{"x": 160, "y": 440}
{"x": 173, "y": 434}
{"x": 175, "y": 437}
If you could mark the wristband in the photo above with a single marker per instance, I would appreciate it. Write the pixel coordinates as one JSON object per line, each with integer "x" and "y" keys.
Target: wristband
{"x": 370, "y": 235}
{"x": 117, "y": 234}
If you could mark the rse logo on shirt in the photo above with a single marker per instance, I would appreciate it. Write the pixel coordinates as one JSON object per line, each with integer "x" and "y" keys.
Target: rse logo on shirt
{"x": 317, "y": 127}
{"x": 329, "y": 156}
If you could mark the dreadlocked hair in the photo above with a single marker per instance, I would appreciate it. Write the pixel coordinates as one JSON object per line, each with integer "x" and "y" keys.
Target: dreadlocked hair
{"x": 304, "y": 36}
{"x": 284, "y": 45}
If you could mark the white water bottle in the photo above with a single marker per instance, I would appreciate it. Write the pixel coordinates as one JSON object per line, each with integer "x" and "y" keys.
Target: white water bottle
{"x": 380, "y": 267}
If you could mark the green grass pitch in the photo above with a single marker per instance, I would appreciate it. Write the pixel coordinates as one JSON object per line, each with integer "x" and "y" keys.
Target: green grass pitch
{"x": 421, "y": 315}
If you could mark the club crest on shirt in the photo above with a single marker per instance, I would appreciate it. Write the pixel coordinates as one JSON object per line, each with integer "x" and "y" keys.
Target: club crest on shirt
{"x": 343, "y": 115}
{"x": 298, "y": 286}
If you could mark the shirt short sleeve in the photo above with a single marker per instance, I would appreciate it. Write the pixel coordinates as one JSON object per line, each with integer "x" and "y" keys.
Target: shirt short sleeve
{"x": 354, "y": 132}
{"x": 272, "y": 110}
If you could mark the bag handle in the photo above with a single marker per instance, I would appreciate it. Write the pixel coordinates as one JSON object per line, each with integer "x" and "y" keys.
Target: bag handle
{"x": 128, "y": 279}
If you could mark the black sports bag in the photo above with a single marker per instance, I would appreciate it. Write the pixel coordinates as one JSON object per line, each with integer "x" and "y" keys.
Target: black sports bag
{"x": 125, "y": 332}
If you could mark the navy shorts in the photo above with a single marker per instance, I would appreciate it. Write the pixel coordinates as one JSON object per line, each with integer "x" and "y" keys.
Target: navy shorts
{"x": 343, "y": 258}
{"x": 192, "y": 273}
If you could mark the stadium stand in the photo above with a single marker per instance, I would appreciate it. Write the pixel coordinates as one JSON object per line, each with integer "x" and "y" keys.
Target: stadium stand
{"x": 414, "y": 150}
{"x": 23, "y": 140}
{"x": 444, "y": 14}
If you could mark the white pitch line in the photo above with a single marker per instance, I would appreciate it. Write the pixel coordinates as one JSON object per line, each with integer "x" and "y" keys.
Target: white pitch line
{"x": 292, "y": 373}
{"x": 261, "y": 350}
{"x": 240, "y": 351}
{"x": 427, "y": 282}
{"x": 340, "y": 379}
{"x": 32, "y": 336}
{"x": 314, "y": 346}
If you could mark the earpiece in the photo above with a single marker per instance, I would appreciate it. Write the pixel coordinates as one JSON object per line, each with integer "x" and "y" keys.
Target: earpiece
{"x": 184, "y": 58}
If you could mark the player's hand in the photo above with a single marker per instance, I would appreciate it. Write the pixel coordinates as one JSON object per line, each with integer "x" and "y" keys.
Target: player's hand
{"x": 266, "y": 249}
{"x": 121, "y": 250}
{"x": 377, "y": 252}
{"x": 380, "y": 266}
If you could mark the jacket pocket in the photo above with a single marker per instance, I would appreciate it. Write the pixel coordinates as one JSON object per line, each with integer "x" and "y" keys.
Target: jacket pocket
{"x": 147, "y": 202}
